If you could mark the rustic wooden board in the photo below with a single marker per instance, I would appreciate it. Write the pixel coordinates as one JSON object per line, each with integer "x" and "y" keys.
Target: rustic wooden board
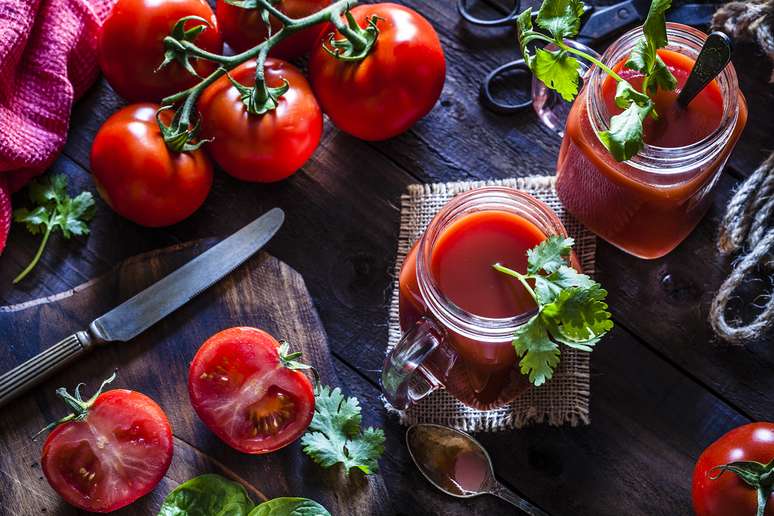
{"x": 265, "y": 293}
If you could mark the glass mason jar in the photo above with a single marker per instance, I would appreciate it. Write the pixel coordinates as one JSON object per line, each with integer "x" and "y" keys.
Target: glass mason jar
{"x": 649, "y": 204}
{"x": 472, "y": 357}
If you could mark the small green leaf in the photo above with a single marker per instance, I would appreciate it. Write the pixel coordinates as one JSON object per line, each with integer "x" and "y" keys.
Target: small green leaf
{"x": 549, "y": 255}
{"x": 207, "y": 495}
{"x": 624, "y": 138}
{"x": 290, "y": 507}
{"x": 625, "y": 94}
{"x": 661, "y": 77}
{"x": 654, "y": 27}
{"x": 561, "y": 18}
{"x": 334, "y": 435}
{"x": 558, "y": 70}
{"x": 55, "y": 210}
{"x": 524, "y": 29}
{"x": 539, "y": 355}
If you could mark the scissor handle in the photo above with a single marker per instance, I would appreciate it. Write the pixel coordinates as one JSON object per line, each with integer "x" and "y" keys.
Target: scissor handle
{"x": 510, "y": 19}
{"x": 495, "y": 105}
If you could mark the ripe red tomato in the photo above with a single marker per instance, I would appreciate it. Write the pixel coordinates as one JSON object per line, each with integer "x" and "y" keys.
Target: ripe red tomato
{"x": 131, "y": 47}
{"x": 117, "y": 454}
{"x": 395, "y": 85}
{"x": 261, "y": 148}
{"x": 243, "y": 392}
{"x": 139, "y": 177}
{"x": 728, "y": 494}
{"x": 243, "y": 29}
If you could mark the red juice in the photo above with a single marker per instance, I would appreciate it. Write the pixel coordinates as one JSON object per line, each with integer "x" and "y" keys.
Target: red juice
{"x": 485, "y": 373}
{"x": 648, "y": 205}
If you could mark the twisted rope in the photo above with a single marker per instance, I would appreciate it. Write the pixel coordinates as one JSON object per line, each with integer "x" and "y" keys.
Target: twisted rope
{"x": 747, "y": 226}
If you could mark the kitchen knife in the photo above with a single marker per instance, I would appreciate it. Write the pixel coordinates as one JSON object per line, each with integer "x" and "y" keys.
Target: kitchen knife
{"x": 142, "y": 311}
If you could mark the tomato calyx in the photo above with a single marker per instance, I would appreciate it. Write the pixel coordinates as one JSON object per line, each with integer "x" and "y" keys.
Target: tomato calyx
{"x": 174, "y": 47}
{"x": 179, "y": 134}
{"x": 79, "y": 406}
{"x": 289, "y": 359}
{"x": 358, "y": 41}
{"x": 755, "y": 474}
{"x": 259, "y": 99}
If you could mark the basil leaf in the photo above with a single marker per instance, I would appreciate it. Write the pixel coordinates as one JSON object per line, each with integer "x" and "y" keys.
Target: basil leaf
{"x": 207, "y": 495}
{"x": 290, "y": 507}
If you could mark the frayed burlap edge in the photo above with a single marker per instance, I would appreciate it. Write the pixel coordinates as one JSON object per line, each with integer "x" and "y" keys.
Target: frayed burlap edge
{"x": 571, "y": 406}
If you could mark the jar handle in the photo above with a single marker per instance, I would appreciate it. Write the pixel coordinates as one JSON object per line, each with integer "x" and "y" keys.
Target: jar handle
{"x": 405, "y": 380}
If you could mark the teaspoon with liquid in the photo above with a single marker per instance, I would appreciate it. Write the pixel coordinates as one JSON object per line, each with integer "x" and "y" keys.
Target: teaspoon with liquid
{"x": 458, "y": 465}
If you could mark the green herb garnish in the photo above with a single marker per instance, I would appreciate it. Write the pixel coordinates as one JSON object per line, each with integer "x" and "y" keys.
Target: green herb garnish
{"x": 334, "y": 435}
{"x": 571, "y": 309}
{"x": 214, "y": 495}
{"x": 55, "y": 210}
{"x": 559, "y": 70}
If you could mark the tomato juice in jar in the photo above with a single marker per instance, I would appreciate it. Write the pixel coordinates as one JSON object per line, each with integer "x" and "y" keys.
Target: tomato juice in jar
{"x": 649, "y": 204}
{"x": 457, "y": 313}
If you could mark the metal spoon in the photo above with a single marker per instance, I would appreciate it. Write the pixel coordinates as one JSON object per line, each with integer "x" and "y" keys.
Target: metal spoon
{"x": 713, "y": 58}
{"x": 458, "y": 465}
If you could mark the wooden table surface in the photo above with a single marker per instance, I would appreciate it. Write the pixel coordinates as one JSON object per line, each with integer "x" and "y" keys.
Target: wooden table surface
{"x": 663, "y": 387}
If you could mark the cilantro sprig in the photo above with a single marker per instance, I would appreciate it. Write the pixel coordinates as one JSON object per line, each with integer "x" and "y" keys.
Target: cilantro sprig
{"x": 571, "y": 309}
{"x": 560, "y": 71}
{"x": 335, "y": 436}
{"x": 55, "y": 210}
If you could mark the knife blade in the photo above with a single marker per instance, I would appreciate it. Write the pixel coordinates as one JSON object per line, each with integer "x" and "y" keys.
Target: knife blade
{"x": 142, "y": 311}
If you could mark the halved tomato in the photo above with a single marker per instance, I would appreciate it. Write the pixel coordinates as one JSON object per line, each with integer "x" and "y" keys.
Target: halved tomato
{"x": 111, "y": 457}
{"x": 248, "y": 392}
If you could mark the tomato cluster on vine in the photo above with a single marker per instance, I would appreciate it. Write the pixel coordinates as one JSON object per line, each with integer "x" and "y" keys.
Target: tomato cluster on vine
{"x": 374, "y": 70}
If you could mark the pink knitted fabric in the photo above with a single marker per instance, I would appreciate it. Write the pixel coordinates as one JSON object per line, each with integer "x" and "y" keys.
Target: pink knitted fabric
{"x": 47, "y": 60}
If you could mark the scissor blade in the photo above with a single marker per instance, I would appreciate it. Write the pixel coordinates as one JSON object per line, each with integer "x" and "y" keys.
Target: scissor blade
{"x": 606, "y": 21}
{"x": 139, "y": 313}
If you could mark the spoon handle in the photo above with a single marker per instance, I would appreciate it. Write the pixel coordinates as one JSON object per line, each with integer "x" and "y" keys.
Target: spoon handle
{"x": 509, "y": 496}
{"x": 713, "y": 58}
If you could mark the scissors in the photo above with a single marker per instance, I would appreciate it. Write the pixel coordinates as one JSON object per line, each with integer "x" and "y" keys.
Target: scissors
{"x": 596, "y": 24}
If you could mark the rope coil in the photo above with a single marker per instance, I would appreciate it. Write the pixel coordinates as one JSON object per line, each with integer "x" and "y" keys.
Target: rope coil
{"x": 747, "y": 227}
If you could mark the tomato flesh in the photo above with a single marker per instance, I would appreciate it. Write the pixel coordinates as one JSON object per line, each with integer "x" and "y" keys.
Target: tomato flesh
{"x": 116, "y": 455}
{"x": 245, "y": 395}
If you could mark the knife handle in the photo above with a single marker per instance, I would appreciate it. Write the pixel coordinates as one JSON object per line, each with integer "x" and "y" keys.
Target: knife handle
{"x": 34, "y": 370}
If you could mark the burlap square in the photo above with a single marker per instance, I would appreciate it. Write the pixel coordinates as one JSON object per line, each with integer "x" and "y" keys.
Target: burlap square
{"x": 565, "y": 398}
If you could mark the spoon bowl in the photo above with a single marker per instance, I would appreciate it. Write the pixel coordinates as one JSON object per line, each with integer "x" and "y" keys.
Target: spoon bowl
{"x": 458, "y": 465}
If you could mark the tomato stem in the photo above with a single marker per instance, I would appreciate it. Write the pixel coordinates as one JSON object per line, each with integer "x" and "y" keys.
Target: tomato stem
{"x": 262, "y": 98}
{"x": 79, "y": 406}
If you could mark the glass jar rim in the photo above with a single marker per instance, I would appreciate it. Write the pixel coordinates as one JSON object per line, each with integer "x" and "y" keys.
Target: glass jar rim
{"x": 668, "y": 160}
{"x": 487, "y": 198}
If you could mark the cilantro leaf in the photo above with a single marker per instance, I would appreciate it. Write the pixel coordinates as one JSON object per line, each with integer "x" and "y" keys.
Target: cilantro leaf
{"x": 55, "y": 210}
{"x": 557, "y": 70}
{"x": 571, "y": 309}
{"x": 624, "y": 138}
{"x": 654, "y": 27}
{"x": 539, "y": 355}
{"x": 644, "y": 56}
{"x": 334, "y": 435}
{"x": 561, "y": 18}
{"x": 549, "y": 254}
